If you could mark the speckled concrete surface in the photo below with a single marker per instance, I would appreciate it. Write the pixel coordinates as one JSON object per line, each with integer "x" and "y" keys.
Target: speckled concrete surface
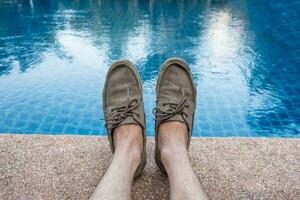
{"x": 69, "y": 167}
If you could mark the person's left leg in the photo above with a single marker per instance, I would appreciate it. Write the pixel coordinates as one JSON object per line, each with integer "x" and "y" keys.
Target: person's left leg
{"x": 117, "y": 181}
{"x": 124, "y": 114}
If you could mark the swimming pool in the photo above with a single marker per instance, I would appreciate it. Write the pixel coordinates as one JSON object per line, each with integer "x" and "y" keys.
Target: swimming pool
{"x": 244, "y": 55}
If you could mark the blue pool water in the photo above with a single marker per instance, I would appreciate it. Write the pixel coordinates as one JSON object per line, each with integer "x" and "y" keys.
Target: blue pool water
{"x": 244, "y": 55}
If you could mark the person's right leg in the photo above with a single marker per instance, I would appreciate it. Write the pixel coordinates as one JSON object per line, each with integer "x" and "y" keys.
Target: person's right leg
{"x": 184, "y": 183}
{"x": 174, "y": 117}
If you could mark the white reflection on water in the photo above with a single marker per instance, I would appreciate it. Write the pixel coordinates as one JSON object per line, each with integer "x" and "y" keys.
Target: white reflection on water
{"x": 138, "y": 43}
{"x": 219, "y": 63}
{"x": 80, "y": 49}
{"x": 223, "y": 40}
{"x": 220, "y": 46}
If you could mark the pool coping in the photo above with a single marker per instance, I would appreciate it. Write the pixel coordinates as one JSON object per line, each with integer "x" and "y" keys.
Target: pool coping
{"x": 69, "y": 167}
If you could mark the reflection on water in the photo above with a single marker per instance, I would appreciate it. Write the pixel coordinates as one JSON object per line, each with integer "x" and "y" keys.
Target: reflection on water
{"x": 244, "y": 56}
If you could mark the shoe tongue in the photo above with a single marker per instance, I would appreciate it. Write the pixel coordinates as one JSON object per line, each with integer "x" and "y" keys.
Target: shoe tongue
{"x": 177, "y": 118}
{"x": 128, "y": 120}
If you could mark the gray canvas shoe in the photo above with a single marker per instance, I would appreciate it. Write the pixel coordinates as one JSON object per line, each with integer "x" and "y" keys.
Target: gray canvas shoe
{"x": 176, "y": 99}
{"x": 123, "y": 102}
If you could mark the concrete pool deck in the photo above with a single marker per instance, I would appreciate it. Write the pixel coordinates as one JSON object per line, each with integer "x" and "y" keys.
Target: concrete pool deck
{"x": 69, "y": 167}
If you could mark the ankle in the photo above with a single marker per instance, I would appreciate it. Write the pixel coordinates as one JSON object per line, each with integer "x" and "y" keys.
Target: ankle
{"x": 172, "y": 134}
{"x": 132, "y": 154}
{"x": 172, "y": 153}
{"x": 172, "y": 143}
{"x": 172, "y": 138}
{"x": 128, "y": 142}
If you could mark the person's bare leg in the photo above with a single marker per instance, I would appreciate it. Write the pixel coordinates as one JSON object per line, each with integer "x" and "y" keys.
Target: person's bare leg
{"x": 117, "y": 182}
{"x": 184, "y": 183}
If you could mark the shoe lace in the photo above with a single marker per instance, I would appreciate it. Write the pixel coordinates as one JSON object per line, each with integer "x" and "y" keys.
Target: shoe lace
{"x": 172, "y": 109}
{"x": 123, "y": 111}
